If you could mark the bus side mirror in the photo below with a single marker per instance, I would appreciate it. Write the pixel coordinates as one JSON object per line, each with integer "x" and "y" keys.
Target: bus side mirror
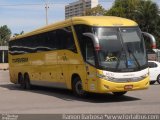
{"x": 94, "y": 38}
{"x": 151, "y": 38}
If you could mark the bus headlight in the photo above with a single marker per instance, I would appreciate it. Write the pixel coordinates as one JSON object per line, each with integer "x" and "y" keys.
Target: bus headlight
{"x": 101, "y": 76}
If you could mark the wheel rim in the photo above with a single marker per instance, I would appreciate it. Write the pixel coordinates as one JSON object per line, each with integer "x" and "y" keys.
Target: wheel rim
{"x": 79, "y": 88}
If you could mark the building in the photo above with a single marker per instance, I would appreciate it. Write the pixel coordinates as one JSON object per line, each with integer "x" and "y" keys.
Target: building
{"x": 3, "y": 54}
{"x": 78, "y": 8}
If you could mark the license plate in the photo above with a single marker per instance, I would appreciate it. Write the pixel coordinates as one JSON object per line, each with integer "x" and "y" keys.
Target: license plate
{"x": 128, "y": 87}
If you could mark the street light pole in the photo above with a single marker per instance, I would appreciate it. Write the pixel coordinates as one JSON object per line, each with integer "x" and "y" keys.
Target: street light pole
{"x": 46, "y": 8}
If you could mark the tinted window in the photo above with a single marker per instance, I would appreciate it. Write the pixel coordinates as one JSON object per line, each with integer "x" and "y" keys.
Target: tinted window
{"x": 80, "y": 29}
{"x": 70, "y": 44}
{"x": 89, "y": 51}
{"x": 52, "y": 40}
{"x": 152, "y": 65}
{"x": 65, "y": 36}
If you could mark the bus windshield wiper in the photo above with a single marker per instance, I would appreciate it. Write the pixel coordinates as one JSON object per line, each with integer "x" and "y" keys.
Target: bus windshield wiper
{"x": 123, "y": 49}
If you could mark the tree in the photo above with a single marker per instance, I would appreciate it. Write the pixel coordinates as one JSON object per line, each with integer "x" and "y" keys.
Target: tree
{"x": 147, "y": 16}
{"x": 96, "y": 11}
{"x": 5, "y": 34}
{"x": 123, "y": 8}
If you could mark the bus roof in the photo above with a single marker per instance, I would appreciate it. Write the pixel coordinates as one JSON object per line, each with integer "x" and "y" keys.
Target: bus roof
{"x": 109, "y": 21}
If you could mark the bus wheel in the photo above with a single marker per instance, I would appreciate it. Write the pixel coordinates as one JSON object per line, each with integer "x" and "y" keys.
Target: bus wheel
{"x": 78, "y": 88}
{"x": 158, "y": 79}
{"x": 119, "y": 93}
{"x": 21, "y": 81}
{"x": 27, "y": 81}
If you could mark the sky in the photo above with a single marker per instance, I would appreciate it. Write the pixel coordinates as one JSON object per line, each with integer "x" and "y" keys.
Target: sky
{"x": 28, "y": 15}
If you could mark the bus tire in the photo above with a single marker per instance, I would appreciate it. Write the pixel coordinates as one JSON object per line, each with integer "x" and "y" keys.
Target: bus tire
{"x": 78, "y": 88}
{"x": 27, "y": 81}
{"x": 21, "y": 81}
{"x": 119, "y": 93}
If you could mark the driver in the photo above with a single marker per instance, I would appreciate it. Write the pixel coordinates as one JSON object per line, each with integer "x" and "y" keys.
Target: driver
{"x": 110, "y": 57}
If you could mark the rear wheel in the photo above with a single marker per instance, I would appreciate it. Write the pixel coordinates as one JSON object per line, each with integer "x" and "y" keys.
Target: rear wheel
{"x": 119, "y": 93}
{"x": 27, "y": 81}
{"x": 21, "y": 81}
{"x": 152, "y": 82}
{"x": 78, "y": 88}
{"x": 158, "y": 79}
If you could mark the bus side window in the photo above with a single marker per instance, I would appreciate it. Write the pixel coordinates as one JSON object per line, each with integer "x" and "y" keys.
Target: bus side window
{"x": 52, "y": 40}
{"x": 80, "y": 29}
{"x": 67, "y": 40}
{"x": 89, "y": 51}
{"x": 70, "y": 44}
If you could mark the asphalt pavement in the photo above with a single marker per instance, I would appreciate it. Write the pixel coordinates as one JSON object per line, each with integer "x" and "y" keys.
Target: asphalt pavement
{"x": 42, "y": 100}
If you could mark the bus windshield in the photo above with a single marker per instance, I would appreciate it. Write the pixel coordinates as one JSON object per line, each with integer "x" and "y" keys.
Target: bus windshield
{"x": 121, "y": 49}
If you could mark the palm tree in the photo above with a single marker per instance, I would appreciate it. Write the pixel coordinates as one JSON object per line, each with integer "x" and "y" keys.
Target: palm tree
{"x": 147, "y": 15}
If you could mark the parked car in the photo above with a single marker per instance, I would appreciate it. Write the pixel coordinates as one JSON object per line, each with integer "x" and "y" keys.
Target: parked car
{"x": 154, "y": 70}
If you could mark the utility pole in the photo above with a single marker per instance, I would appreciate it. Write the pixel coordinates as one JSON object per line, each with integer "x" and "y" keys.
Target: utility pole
{"x": 46, "y": 8}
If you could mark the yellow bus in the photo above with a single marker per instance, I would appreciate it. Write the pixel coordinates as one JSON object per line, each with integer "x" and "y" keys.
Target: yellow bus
{"x": 84, "y": 54}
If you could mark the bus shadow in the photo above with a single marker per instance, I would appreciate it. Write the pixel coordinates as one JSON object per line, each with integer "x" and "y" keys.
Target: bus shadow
{"x": 67, "y": 95}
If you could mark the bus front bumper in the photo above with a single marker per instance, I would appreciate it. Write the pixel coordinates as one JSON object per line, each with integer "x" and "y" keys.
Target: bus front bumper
{"x": 108, "y": 86}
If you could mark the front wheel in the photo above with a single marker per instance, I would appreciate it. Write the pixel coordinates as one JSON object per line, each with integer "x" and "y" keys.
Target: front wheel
{"x": 119, "y": 93}
{"x": 158, "y": 79}
{"x": 78, "y": 88}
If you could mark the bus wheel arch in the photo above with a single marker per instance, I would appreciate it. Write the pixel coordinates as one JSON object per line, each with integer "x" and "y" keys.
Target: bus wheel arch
{"x": 77, "y": 87}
